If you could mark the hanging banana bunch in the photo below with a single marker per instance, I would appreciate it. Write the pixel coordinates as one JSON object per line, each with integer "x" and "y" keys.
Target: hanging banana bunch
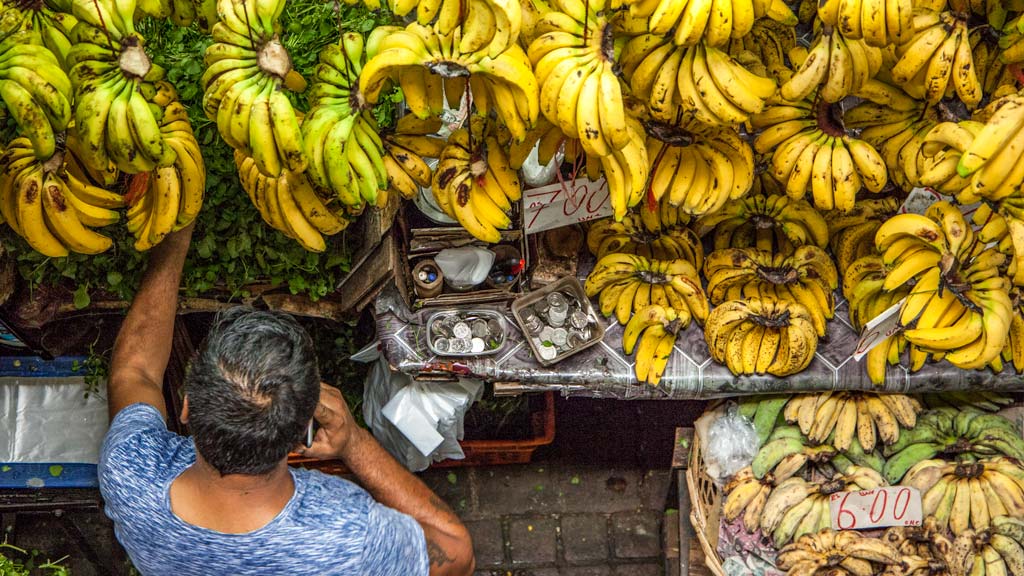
{"x": 938, "y": 60}
{"x": 774, "y": 224}
{"x": 405, "y": 148}
{"x": 169, "y": 197}
{"x": 117, "y": 123}
{"x": 50, "y": 28}
{"x": 34, "y": 87}
{"x": 244, "y": 83}
{"x": 339, "y": 135}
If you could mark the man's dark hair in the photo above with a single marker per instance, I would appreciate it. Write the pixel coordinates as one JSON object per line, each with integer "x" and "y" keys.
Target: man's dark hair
{"x": 252, "y": 390}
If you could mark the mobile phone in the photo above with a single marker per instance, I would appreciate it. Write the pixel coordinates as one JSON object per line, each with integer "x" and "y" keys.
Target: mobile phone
{"x": 311, "y": 432}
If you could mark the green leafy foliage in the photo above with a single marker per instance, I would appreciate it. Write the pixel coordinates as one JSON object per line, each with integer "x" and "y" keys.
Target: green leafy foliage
{"x": 15, "y": 561}
{"x": 231, "y": 245}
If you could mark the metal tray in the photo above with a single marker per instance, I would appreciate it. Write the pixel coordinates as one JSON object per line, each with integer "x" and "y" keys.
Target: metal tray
{"x": 568, "y": 285}
{"x": 468, "y": 316}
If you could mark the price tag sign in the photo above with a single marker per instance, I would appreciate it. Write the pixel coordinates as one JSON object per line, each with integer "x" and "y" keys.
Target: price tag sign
{"x": 878, "y": 508}
{"x": 878, "y": 329}
{"x": 564, "y": 203}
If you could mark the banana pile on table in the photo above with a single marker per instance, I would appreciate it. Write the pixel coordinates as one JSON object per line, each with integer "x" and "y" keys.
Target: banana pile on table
{"x": 964, "y": 461}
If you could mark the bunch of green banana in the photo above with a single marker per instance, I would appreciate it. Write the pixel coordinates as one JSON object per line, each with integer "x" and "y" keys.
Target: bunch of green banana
{"x": 807, "y": 276}
{"x": 966, "y": 496}
{"x": 746, "y": 495}
{"x": 33, "y": 85}
{"x": 844, "y": 415}
{"x": 670, "y": 238}
{"x": 1011, "y": 41}
{"x": 652, "y": 333}
{"x": 39, "y": 205}
{"x": 878, "y": 22}
{"x": 698, "y": 82}
{"x": 959, "y": 308}
{"x": 628, "y": 283}
{"x": 938, "y": 60}
{"x": 772, "y": 223}
{"x": 785, "y": 453}
{"x": 116, "y": 118}
{"x": 171, "y": 196}
{"x": 852, "y": 235}
{"x": 965, "y": 434}
{"x": 835, "y": 66}
{"x": 247, "y": 72}
{"x": 847, "y": 552}
{"x": 474, "y": 184}
{"x": 810, "y": 149}
{"x": 698, "y": 169}
{"x": 982, "y": 400}
{"x": 765, "y": 412}
{"x": 291, "y": 204}
{"x": 180, "y": 12}
{"x": 405, "y": 147}
{"x": 505, "y": 83}
{"x": 49, "y": 27}
{"x": 797, "y": 508}
{"x": 757, "y": 336}
{"x": 339, "y": 136}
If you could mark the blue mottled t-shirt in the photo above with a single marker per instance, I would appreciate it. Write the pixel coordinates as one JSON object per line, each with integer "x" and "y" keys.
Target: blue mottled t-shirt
{"x": 330, "y": 525}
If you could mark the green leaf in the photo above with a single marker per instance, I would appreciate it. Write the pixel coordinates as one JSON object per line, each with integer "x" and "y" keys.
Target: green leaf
{"x": 114, "y": 278}
{"x": 81, "y": 297}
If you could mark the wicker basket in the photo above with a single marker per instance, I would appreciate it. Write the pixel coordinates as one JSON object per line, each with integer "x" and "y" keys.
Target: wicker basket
{"x": 705, "y": 507}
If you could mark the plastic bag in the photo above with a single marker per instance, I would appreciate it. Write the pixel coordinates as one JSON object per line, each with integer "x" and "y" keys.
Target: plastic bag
{"x": 465, "y": 267}
{"x": 729, "y": 442}
{"x": 417, "y": 423}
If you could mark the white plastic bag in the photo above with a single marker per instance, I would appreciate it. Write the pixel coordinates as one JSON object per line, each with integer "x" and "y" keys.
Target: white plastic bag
{"x": 729, "y": 442}
{"x": 416, "y": 422}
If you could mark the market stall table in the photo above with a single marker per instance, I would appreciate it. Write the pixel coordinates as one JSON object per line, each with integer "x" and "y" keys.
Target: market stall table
{"x": 605, "y": 371}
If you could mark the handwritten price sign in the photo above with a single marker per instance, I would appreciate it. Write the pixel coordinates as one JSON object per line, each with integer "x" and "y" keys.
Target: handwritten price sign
{"x": 564, "y": 203}
{"x": 881, "y": 507}
{"x": 878, "y": 329}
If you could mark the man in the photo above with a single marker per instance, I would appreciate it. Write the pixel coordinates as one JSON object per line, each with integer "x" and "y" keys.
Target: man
{"x": 225, "y": 501}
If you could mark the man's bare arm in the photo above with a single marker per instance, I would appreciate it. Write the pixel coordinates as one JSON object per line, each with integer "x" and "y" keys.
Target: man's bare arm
{"x": 449, "y": 545}
{"x": 143, "y": 344}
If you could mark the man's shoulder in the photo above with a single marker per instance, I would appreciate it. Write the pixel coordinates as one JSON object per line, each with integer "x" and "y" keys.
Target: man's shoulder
{"x": 139, "y": 450}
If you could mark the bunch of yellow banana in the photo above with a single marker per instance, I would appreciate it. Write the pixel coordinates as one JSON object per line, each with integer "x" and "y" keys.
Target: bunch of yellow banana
{"x": 627, "y": 282}
{"x": 878, "y": 22}
{"x": 989, "y": 155}
{"x": 852, "y": 235}
{"x": 116, "y": 117}
{"x": 652, "y": 333}
{"x": 715, "y": 21}
{"x": 810, "y": 149}
{"x": 786, "y": 452}
{"x": 700, "y": 82}
{"x": 505, "y": 83}
{"x": 773, "y": 223}
{"x": 545, "y": 137}
{"x": 474, "y": 184}
{"x": 339, "y": 135}
{"x": 653, "y": 237}
{"x": 405, "y": 148}
{"x": 999, "y": 550}
{"x": 579, "y": 90}
{"x": 835, "y": 66}
{"x": 862, "y": 287}
{"x": 845, "y": 415}
{"x": 966, "y": 434}
{"x": 967, "y": 496}
{"x": 758, "y": 336}
{"x": 745, "y": 495}
{"x": 170, "y": 197}
{"x": 996, "y": 77}
{"x": 33, "y": 85}
{"x": 49, "y": 26}
{"x": 37, "y": 203}
{"x": 1013, "y": 352}
{"x": 797, "y": 508}
{"x": 829, "y": 552}
{"x": 244, "y": 82}
{"x": 926, "y": 550}
{"x": 959, "y": 308}
{"x": 807, "y": 276}
{"x": 938, "y": 60}
{"x": 770, "y": 41}
{"x": 698, "y": 170}
{"x": 937, "y": 159}
{"x": 291, "y": 204}
{"x": 487, "y": 26}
